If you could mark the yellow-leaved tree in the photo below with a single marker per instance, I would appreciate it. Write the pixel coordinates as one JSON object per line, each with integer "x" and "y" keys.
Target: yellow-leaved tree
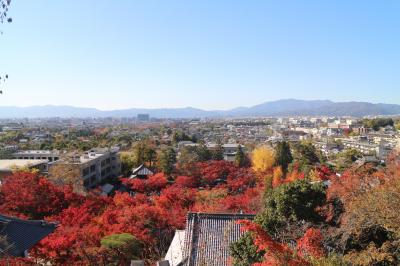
{"x": 262, "y": 159}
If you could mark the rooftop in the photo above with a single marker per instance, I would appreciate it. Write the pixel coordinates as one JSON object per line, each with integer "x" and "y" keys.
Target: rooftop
{"x": 6, "y": 165}
{"x": 21, "y": 235}
{"x": 37, "y": 152}
{"x": 208, "y": 237}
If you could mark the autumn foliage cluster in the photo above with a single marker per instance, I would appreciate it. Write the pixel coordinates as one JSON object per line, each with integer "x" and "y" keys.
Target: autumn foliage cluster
{"x": 323, "y": 218}
{"x": 151, "y": 212}
{"x": 306, "y": 214}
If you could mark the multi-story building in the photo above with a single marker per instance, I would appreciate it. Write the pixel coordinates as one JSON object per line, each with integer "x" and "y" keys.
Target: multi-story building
{"x": 95, "y": 167}
{"x": 51, "y": 156}
{"x": 8, "y": 166}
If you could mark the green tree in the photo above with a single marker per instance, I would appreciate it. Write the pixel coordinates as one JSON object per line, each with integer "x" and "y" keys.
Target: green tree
{"x": 5, "y": 154}
{"x": 378, "y": 123}
{"x": 283, "y": 155}
{"x": 150, "y": 156}
{"x": 285, "y": 208}
{"x": 188, "y": 155}
{"x": 346, "y": 158}
{"x": 292, "y": 202}
{"x": 123, "y": 247}
{"x": 245, "y": 252}
{"x": 167, "y": 160}
{"x": 139, "y": 152}
{"x": 218, "y": 153}
{"x": 306, "y": 154}
{"x": 397, "y": 125}
{"x": 203, "y": 152}
{"x": 143, "y": 153}
{"x": 128, "y": 162}
{"x": 240, "y": 157}
{"x": 182, "y": 136}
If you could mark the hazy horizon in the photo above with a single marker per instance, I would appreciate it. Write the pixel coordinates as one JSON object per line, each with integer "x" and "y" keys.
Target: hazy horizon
{"x": 188, "y": 106}
{"x": 209, "y": 55}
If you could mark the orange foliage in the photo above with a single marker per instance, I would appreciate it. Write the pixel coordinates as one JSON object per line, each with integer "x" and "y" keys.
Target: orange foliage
{"x": 311, "y": 244}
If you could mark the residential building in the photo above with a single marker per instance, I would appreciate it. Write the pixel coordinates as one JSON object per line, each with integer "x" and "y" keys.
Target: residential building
{"x": 51, "y": 156}
{"x": 95, "y": 166}
{"x": 8, "y": 166}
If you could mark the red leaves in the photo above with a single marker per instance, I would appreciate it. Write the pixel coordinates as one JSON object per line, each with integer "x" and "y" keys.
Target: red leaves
{"x": 311, "y": 244}
{"x": 32, "y": 196}
{"x": 14, "y": 261}
{"x": 153, "y": 184}
{"x": 213, "y": 171}
{"x": 324, "y": 173}
{"x": 275, "y": 253}
{"x": 151, "y": 215}
{"x": 76, "y": 232}
{"x": 156, "y": 182}
{"x": 352, "y": 182}
{"x": 186, "y": 181}
{"x": 247, "y": 202}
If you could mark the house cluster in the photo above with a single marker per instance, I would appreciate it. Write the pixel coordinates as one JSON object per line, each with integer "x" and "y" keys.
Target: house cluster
{"x": 332, "y": 135}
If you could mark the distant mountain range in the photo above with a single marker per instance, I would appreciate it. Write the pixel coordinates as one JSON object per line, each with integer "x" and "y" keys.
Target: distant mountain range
{"x": 288, "y": 107}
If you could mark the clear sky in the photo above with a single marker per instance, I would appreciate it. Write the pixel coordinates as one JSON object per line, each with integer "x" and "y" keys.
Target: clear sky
{"x": 211, "y": 54}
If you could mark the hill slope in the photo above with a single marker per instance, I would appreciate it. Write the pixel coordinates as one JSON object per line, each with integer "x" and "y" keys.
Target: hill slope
{"x": 286, "y": 107}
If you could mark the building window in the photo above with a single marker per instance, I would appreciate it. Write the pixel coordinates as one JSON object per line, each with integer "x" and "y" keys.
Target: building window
{"x": 85, "y": 171}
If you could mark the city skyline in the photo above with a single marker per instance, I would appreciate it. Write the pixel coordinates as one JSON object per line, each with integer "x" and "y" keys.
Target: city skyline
{"x": 205, "y": 55}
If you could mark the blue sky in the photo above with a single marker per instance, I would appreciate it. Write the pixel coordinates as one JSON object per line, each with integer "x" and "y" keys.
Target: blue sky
{"x": 208, "y": 54}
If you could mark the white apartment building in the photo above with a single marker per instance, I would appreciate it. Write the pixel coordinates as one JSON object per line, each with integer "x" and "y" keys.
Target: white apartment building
{"x": 97, "y": 165}
{"x": 51, "y": 156}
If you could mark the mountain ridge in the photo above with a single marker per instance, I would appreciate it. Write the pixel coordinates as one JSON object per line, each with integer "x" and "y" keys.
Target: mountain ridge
{"x": 285, "y": 107}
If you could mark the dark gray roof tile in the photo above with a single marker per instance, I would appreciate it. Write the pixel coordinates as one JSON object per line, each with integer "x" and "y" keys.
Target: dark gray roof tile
{"x": 22, "y": 235}
{"x": 208, "y": 237}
